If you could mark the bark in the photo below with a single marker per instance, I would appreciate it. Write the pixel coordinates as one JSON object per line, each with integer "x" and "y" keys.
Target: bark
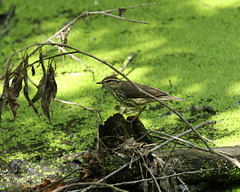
{"x": 190, "y": 160}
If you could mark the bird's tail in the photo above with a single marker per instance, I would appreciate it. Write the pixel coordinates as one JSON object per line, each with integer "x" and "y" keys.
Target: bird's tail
{"x": 170, "y": 98}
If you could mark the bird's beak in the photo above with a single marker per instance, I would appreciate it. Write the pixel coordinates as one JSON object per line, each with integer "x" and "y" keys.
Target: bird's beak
{"x": 100, "y": 82}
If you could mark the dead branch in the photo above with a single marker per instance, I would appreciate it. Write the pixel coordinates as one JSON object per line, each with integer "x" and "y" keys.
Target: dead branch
{"x": 72, "y": 103}
{"x": 125, "y": 64}
{"x": 3, "y": 130}
{"x": 118, "y": 17}
{"x": 163, "y": 177}
{"x": 131, "y": 7}
{"x": 83, "y": 16}
{"x": 91, "y": 184}
{"x": 128, "y": 60}
{"x": 152, "y": 175}
{"x": 72, "y": 56}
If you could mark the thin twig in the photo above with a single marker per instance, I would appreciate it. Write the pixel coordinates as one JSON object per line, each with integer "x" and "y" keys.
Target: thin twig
{"x": 128, "y": 60}
{"x": 223, "y": 155}
{"x": 91, "y": 184}
{"x": 131, "y": 7}
{"x": 25, "y": 48}
{"x": 118, "y": 17}
{"x": 153, "y": 177}
{"x": 163, "y": 177}
{"x": 3, "y": 130}
{"x": 210, "y": 141}
{"x": 181, "y": 140}
{"x": 55, "y": 182}
{"x": 62, "y": 48}
{"x": 181, "y": 181}
{"x": 50, "y": 57}
{"x": 72, "y": 103}
{"x": 161, "y": 171}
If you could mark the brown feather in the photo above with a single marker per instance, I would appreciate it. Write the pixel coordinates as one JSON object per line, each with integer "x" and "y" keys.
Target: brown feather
{"x": 133, "y": 92}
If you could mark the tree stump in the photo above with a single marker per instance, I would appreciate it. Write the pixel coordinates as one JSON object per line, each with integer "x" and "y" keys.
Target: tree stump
{"x": 117, "y": 127}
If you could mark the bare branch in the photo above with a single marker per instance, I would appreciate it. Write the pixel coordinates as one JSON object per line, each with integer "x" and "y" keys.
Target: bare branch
{"x": 91, "y": 184}
{"x": 83, "y": 15}
{"x": 72, "y": 103}
{"x": 163, "y": 177}
{"x": 3, "y": 130}
{"x": 118, "y": 17}
{"x": 131, "y": 7}
{"x": 72, "y": 56}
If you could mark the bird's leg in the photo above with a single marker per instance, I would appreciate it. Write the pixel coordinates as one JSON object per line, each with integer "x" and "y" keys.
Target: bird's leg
{"x": 140, "y": 111}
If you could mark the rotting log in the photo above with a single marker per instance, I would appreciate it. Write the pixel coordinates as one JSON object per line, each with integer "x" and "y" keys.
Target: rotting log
{"x": 190, "y": 160}
{"x": 186, "y": 162}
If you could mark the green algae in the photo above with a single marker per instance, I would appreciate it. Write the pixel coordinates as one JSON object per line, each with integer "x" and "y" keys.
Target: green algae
{"x": 192, "y": 44}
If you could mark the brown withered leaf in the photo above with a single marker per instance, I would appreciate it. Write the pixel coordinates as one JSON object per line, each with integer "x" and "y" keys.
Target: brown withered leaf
{"x": 41, "y": 85}
{"x": 12, "y": 92}
{"x": 8, "y": 72}
{"x": 26, "y": 87}
{"x": 16, "y": 85}
{"x": 50, "y": 91}
{"x": 4, "y": 94}
{"x": 13, "y": 102}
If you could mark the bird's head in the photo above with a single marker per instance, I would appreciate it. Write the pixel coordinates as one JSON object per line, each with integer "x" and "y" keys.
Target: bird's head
{"x": 111, "y": 82}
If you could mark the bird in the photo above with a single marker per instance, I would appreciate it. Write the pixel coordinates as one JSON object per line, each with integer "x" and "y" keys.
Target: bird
{"x": 127, "y": 94}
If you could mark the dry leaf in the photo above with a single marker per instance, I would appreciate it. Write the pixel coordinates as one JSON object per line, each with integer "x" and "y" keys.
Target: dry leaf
{"x": 41, "y": 85}
{"x": 13, "y": 102}
{"x": 12, "y": 92}
{"x": 49, "y": 92}
{"x": 26, "y": 88}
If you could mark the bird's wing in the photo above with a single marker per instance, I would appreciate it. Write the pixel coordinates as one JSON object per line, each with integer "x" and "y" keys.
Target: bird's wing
{"x": 132, "y": 92}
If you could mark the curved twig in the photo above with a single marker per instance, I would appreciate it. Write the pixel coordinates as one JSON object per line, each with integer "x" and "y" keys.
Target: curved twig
{"x": 163, "y": 177}
{"x": 72, "y": 103}
{"x": 89, "y": 183}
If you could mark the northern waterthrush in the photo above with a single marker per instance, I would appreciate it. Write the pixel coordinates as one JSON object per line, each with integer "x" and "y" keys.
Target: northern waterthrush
{"x": 130, "y": 96}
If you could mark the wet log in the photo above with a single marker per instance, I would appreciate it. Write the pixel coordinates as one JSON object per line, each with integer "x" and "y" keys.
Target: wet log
{"x": 187, "y": 163}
